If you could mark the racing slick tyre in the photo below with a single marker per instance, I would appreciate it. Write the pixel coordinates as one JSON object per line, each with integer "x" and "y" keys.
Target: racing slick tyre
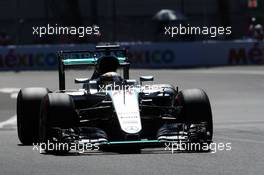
{"x": 57, "y": 112}
{"x": 196, "y": 108}
{"x": 28, "y": 108}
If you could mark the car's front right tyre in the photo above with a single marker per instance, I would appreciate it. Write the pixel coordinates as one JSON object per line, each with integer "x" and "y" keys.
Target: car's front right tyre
{"x": 196, "y": 108}
{"x": 28, "y": 107}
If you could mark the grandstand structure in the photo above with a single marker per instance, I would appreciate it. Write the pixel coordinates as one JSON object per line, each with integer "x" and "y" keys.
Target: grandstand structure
{"x": 119, "y": 20}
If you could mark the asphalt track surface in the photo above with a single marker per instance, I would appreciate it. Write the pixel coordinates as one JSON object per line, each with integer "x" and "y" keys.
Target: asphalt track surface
{"x": 237, "y": 100}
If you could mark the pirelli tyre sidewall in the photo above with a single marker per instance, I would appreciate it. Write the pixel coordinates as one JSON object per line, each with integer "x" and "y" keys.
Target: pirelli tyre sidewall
{"x": 28, "y": 109}
{"x": 57, "y": 110}
{"x": 196, "y": 107}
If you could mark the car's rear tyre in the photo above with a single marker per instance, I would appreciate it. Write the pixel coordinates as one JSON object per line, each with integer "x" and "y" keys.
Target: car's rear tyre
{"x": 57, "y": 110}
{"x": 196, "y": 108}
{"x": 28, "y": 109}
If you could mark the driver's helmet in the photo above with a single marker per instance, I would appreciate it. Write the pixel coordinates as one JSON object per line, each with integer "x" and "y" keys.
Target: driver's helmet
{"x": 107, "y": 64}
{"x": 110, "y": 78}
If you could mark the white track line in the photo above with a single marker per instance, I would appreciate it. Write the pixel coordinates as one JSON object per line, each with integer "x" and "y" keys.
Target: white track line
{"x": 214, "y": 71}
{"x": 12, "y": 91}
{"x": 14, "y": 95}
{"x": 234, "y": 124}
{"x": 239, "y": 121}
{"x": 240, "y": 139}
{"x": 10, "y": 123}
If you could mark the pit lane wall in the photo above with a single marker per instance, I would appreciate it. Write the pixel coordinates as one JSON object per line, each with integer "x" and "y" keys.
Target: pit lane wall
{"x": 143, "y": 55}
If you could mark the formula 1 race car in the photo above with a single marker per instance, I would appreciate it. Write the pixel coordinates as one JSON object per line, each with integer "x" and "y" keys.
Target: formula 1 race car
{"x": 111, "y": 111}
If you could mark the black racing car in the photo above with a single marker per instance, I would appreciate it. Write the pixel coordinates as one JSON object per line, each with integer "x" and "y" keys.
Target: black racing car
{"x": 112, "y": 111}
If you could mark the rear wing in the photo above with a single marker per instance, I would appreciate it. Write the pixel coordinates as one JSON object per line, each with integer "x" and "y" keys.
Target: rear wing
{"x": 81, "y": 58}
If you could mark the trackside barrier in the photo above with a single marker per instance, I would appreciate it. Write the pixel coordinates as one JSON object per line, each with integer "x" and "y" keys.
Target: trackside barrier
{"x": 169, "y": 55}
{"x": 33, "y": 57}
{"x": 145, "y": 55}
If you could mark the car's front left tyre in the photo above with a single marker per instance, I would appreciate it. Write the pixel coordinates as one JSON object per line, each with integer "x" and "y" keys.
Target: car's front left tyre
{"x": 57, "y": 112}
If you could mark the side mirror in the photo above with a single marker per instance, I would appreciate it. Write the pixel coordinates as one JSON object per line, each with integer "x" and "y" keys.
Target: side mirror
{"x": 81, "y": 80}
{"x": 146, "y": 78}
